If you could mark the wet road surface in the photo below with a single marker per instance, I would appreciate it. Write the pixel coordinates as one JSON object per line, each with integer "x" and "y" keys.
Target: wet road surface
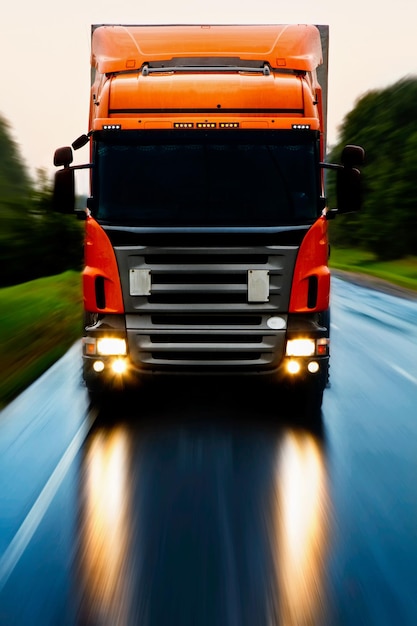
{"x": 199, "y": 503}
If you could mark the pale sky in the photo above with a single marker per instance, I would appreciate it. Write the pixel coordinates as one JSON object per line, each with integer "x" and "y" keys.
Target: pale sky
{"x": 45, "y": 54}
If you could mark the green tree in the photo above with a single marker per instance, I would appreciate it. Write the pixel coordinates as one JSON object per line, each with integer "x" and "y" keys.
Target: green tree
{"x": 34, "y": 241}
{"x": 384, "y": 122}
{"x": 15, "y": 183}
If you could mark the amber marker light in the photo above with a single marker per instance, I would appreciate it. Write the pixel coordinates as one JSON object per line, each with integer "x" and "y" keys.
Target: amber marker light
{"x": 89, "y": 346}
{"x": 323, "y": 346}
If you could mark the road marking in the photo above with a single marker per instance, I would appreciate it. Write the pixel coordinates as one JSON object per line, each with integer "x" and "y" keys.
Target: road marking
{"x": 30, "y": 524}
{"x": 402, "y": 372}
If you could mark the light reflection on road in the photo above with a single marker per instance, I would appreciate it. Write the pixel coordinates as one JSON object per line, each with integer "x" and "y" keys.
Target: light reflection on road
{"x": 105, "y": 535}
{"x": 301, "y": 528}
{"x": 278, "y": 477}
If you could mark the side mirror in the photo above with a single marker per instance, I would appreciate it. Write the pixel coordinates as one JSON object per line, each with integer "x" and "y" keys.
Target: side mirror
{"x": 81, "y": 141}
{"x": 348, "y": 184}
{"x": 349, "y": 190}
{"x": 63, "y": 156}
{"x": 353, "y": 156}
{"x": 63, "y": 199}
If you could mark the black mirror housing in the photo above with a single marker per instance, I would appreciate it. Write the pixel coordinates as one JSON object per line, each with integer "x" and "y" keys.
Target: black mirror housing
{"x": 349, "y": 191}
{"x": 348, "y": 184}
{"x": 63, "y": 157}
{"x": 353, "y": 156}
{"x": 63, "y": 199}
{"x": 80, "y": 142}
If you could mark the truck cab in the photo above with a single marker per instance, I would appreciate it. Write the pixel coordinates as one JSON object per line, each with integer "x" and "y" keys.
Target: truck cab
{"x": 206, "y": 249}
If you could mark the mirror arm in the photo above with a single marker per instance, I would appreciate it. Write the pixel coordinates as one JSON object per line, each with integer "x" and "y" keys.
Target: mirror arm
{"x": 331, "y": 214}
{"x": 85, "y": 166}
{"x": 81, "y": 141}
{"x": 331, "y": 166}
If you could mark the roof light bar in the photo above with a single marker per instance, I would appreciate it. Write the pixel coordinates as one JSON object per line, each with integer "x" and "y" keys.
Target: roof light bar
{"x": 206, "y": 125}
{"x": 183, "y": 125}
{"x": 112, "y": 126}
{"x": 301, "y": 126}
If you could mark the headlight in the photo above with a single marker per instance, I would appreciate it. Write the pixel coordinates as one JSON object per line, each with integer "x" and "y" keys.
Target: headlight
{"x": 301, "y": 347}
{"x": 111, "y": 346}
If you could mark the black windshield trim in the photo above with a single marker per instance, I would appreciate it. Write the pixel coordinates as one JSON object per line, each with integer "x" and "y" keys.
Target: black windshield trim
{"x": 180, "y": 136}
{"x": 205, "y": 230}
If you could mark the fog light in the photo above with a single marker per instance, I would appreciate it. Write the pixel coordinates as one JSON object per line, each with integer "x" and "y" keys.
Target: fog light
{"x": 293, "y": 367}
{"x": 98, "y": 366}
{"x": 313, "y": 367}
{"x": 276, "y": 323}
{"x": 119, "y": 366}
{"x": 301, "y": 347}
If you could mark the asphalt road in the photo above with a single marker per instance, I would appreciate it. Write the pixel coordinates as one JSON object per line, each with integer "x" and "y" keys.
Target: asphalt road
{"x": 201, "y": 504}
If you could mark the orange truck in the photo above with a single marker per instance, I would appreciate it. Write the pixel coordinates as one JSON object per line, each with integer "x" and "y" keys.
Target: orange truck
{"x": 206, "y": 248}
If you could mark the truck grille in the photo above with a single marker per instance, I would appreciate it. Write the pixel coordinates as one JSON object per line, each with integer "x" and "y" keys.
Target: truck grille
{"x": 203, "y": 350}
{"x": 196, "y": 312}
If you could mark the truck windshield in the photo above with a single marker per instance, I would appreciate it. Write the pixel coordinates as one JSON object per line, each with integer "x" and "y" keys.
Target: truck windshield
{"x": 194, "y": 178}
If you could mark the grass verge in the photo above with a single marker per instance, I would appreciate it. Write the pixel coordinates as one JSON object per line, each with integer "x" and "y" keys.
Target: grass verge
{"x": 401, "y": 272}
{"x": 39, "y": 321}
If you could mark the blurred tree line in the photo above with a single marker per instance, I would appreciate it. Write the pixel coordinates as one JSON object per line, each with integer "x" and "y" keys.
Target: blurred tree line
{"x": 384, "y": 122}
{"x": 34, "y": 241}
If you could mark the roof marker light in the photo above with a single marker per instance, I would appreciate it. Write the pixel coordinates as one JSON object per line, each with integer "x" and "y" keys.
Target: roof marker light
{"x": 301, "y": 126}
{"x": 112, "y": 126}
{"x": 183, "y": 125}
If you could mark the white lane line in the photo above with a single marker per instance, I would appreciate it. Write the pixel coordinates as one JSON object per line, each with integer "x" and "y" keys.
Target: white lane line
{"x": 402, "y": 372}
{"x": 20, "y": 541}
